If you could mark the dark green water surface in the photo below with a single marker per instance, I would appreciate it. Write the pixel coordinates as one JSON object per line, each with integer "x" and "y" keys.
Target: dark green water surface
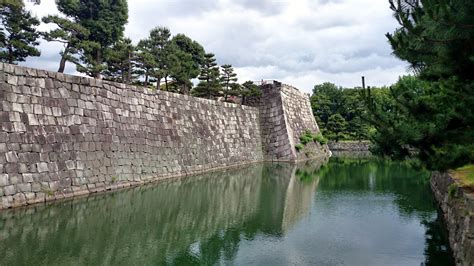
{"x": 345, "y": 212}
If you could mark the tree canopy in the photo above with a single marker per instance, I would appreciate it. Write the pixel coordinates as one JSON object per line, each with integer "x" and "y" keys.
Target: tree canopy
{"x": 430, "y": 115}
{"x": 71, "y": 34}
{"x": 104, "y": 20}
{"x": 18, "y": 34}
{"x": 340, "y": 112}
{"x": 209, "y": 84}
{"x": 189, "y": 56}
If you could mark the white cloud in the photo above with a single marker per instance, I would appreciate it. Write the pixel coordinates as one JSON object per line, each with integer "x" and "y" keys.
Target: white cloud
{"x": 300, "y": 42}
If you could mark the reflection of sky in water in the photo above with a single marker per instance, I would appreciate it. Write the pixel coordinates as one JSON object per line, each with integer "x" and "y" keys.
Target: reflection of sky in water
{"x": 352, "y": 212}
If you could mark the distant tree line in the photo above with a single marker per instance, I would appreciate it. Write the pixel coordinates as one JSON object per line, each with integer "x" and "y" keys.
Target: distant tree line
{"x": 92, "y": 35}
{"x": 341, "y": 112}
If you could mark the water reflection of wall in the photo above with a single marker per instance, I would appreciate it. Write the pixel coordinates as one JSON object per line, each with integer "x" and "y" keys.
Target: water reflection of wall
{"x": 156, "y": 223}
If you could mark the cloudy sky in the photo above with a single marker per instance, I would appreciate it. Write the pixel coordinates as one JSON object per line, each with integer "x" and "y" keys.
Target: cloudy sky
{"x": 299, "y": 42}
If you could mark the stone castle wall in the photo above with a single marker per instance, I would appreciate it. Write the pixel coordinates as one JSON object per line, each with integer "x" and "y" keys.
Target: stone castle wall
{"x": 457, "y": 205}
{"x": 65, "y": 135}
{"x": 350, "y": 145}
{"x": 285, "y": 113}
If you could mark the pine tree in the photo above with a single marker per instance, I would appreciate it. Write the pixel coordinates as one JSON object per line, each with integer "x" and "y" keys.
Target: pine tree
{"x": 430, "y": 115}
{"x": 209, "y": 85}
{"x": 187, "y": 56}
{"x": 158, "y": 42}
{"x": 249, "y": 89}
{"x": 120, "y": 62}
{"x": 71, "y": 34}
{"x": 105, "y": 20}
{"x": 336, "y": 127}
{"x": 228, "y": 81}
{"x": 18, "y": 35}
{"x": 145, "y": 61}
{"x": 17, "y": 3}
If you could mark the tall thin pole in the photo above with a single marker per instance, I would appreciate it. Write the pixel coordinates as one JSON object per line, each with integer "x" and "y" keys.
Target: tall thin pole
{"x": 363, "y": 82}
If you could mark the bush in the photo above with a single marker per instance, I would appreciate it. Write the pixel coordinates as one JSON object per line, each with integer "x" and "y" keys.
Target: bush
{"x": 299, "y": 146}
{"x": 306, "y": 138}
{"x": 319, "y": 138}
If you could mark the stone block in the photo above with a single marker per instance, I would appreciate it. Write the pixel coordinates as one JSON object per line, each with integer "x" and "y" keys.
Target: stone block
{"x": 9, "y": 190}
{"x": 11, "y": 157}
{"x": 17, "y": 107}
{"x": 32, "y": 121}
{"x": 3, "y": 147}
{"x": 42, "y": 167}
{"x": 4, "y": 180}
{"x": 24, "y": 187}
{"x": 35, "y": 187}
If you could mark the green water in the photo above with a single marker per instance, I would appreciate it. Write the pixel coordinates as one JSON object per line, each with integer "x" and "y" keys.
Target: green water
{"x": 346, "y": 212}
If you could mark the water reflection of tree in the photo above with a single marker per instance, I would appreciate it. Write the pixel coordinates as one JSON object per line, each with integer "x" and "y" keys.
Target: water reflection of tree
{"x": 410, "y": 188}
{"x": 437, "y": 250}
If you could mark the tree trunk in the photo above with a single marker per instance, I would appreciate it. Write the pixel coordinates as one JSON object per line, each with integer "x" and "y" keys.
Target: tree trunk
{"x": 10, "y": 54}
{"x": 98, "y": 61}
{"x": 226, "y": 92}
{"x": 146, "y": 78}
{"x": 62, "y": 63}
{"x": 158, "y": 81}
{"x": 129, "y": 74}
{"x": 166, "y": 83}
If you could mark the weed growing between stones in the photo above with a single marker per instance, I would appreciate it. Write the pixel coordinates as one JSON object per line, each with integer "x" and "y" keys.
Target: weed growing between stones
{"x": 299, "y": 146}
{"x": 48, "y": 191}
{"x": 308, "y": 137}
{"x": 452, "y": 189}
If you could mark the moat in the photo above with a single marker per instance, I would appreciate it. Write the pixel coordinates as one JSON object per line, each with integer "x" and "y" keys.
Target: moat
{"x": 343, "y": 212}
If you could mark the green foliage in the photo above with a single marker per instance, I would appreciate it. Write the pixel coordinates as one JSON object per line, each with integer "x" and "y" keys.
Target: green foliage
{"x": 435, "y": 37}
{"x": 328, "y": 100}
{"x": 69, "y": 33}
{"x": 249, "y": 89}
{"x": 299, "y": 146}
{"x": 430, "y": 116}
{"x": 120, "y": 61}
{"x": 145, "y": 62}
{"x": 228, "y": 81}
{"x": 104, "y": 20}
{"x": 209, "y": 85}
{"x": 18, "y": 35}
{"x": 306, "y": 138}
{"x": 160, "y": 47}
{"x": 320, "y": 139}
{"x": 452, "y": 190}
{"x": 16, "y": 3}
{"x": 189, "y": 55}
{"x": 156, "y": 56}
{"x": 336, "y": 127}
{"x": 305, "y": 176}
